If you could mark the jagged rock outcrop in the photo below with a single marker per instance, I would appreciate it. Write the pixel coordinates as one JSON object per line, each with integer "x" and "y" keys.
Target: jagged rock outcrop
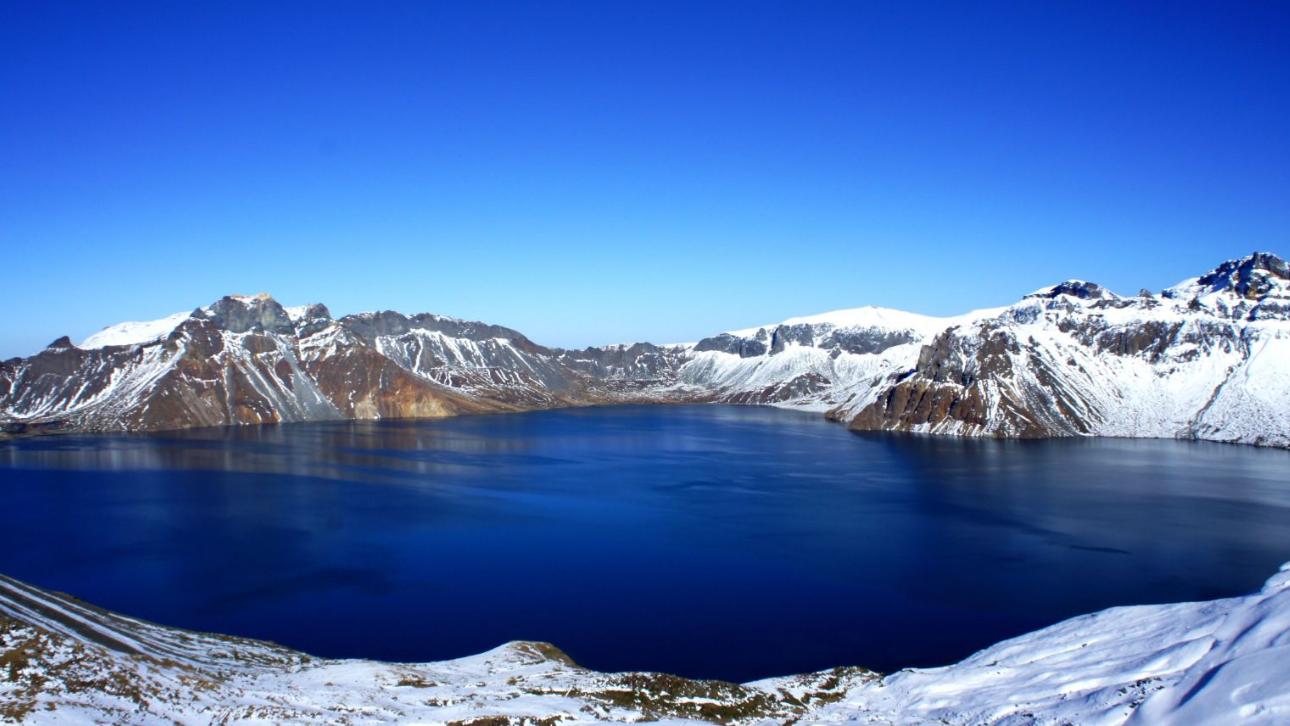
{"x": 1208, "y": 358}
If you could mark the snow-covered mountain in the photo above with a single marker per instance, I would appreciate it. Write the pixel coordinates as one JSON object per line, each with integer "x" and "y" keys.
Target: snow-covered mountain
{"x": 1218, "y": 662}
{"x": 1208, "y": 358}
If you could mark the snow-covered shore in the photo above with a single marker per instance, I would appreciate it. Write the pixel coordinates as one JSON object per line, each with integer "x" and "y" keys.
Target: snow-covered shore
{"x": 1221, "y": 661}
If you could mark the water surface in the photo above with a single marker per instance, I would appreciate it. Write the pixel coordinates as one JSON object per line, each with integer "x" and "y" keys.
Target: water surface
{"x": 711, "y": 541}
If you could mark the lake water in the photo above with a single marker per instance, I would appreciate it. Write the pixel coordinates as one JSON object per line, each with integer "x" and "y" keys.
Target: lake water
{"x": 712, "y": 541}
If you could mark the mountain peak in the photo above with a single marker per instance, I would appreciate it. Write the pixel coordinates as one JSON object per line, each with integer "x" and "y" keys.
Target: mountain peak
{"x": 1252, "y": 276}
{"x": 313, "y": 311}
{"x": 249, "y": 299}
{"x": 133, "y": 333}
{"x": 241, "y": 313}
{"x": 1074, "y": 288}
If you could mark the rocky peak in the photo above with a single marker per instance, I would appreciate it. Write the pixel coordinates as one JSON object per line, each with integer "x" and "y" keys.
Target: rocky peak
{"x": 63, "y": 342}
{"x": 316, "y": 311}
{"x": 1250, "y": 277}
{"x": 369, "y": 326}
{"x": 728, "y": 343}
{"x": 241, "y": 314}
{"x": 1074, "y": 288}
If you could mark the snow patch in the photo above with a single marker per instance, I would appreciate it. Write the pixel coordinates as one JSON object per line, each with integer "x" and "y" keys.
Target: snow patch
{"x": 134, "y": 333}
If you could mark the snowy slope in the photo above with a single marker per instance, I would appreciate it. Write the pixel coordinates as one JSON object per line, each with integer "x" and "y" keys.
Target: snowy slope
{"x": 1223, "y": 661}
{"x": 816, "y": 362}
{"x": 1208, "y": 359}
{"x": 867, "y": 317}
{"x": 1217, "y": 662}
{"x": 134, "y": 333}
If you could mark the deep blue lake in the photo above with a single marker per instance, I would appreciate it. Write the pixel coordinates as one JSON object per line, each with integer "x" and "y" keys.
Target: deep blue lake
{"x": 713, "y": 541}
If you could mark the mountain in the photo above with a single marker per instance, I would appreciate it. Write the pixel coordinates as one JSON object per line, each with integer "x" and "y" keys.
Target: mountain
{"x": 1206, "y": 359}
{"x": 1222, "y": 661}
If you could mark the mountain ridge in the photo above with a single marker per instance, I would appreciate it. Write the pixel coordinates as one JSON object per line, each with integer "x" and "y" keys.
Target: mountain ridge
{"x": 1207, "y": 358}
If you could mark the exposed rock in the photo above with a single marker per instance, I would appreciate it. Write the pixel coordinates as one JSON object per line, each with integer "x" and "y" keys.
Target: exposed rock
{"x": 241, "y": 314}
{"x": 1074, "y": 288}
{"x": 1251, "y": 277}
{"x": 727, "y": 343}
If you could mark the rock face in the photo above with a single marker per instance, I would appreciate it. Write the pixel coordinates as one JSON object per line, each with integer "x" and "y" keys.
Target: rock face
{"x": 1208, "y": 358}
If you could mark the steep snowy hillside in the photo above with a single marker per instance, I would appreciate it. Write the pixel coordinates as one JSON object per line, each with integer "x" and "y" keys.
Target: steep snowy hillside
{"x": 249, "y": 360}
{"x": 1224, "y": 661}
{"x": 818, "y": 362}
{"x": 1208, "y": 358}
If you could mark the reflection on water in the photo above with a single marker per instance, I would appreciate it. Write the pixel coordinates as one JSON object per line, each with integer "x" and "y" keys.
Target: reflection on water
{"x": 373, "y": 451}
{"x": 705, "y": 540}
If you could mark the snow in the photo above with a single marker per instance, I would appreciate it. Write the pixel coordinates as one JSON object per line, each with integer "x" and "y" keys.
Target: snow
{"x": 1219, "y": 661}
{"x": 1184, "y": 288}
{"x": 296, "y": 313}
{"x": 134, "y": 333}
{"x": 1209, "y": 370}
{"x": 872, "y": 317}
{"x": 1047, "y": 289}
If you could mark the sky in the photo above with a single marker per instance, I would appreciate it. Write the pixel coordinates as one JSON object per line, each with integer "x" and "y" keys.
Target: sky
{"x": 593, "y": 172}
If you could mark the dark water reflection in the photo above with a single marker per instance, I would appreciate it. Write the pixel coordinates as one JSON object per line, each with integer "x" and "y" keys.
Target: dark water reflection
{"x": 704, "y": 540}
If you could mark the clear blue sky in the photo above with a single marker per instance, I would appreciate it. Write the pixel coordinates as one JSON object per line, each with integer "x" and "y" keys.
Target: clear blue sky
{"x": 596, "y": 172}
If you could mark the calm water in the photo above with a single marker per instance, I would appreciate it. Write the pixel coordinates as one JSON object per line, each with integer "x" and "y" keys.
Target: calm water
{"x": 702, "y": 540}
